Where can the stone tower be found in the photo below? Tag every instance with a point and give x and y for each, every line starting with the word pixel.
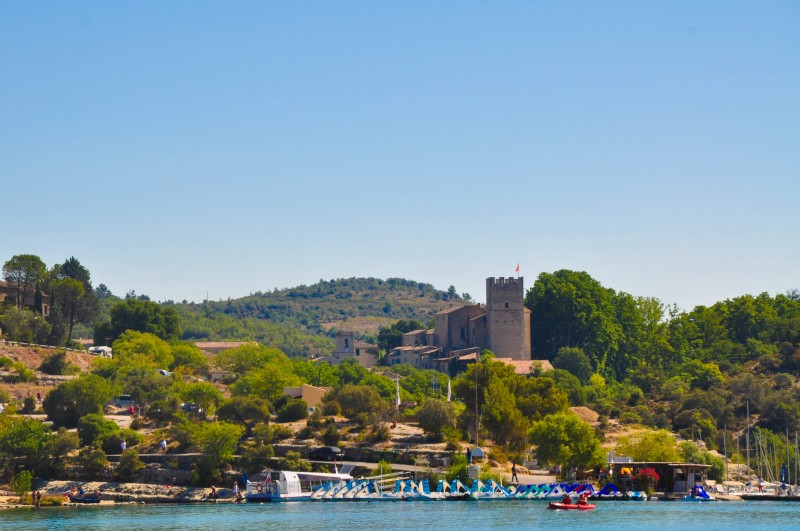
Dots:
pixel 508 325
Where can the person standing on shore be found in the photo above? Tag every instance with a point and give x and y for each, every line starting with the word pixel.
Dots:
pixel 164 445
pixel 514 473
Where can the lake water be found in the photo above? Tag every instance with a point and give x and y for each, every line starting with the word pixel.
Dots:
pixel 410 515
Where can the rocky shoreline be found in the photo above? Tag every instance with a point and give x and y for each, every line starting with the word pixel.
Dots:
pixel 131 493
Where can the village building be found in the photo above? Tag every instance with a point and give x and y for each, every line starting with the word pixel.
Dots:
pixel 348 347
pixel 460 332
pixel 310 394
pixel 29 302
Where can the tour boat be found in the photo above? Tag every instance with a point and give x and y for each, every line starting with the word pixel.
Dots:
pixel 284 485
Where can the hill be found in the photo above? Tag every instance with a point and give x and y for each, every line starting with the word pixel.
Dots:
pixel 362 305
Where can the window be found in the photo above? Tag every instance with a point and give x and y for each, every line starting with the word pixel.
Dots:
pixel 358 352
pixel 463 332
pixel 506 305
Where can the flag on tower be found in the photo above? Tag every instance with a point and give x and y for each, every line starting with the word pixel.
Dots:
pixel 517 267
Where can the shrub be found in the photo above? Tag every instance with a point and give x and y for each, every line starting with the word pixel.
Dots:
pixel 629 417
pixel 92 461
pixel 28 405
pixel 129 464
pixel 21 482
pixel 378 433
pixel 331 436
pixel 293 461
pixel 331 409
pixel 55 364
pixel 294 409
pixel 257 456
pixel 95 427
pixel 436 416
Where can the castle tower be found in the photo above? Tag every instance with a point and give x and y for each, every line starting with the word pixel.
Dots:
pixel 508 325
pixel 345 344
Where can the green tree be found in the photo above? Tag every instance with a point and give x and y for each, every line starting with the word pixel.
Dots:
pixel 217 442
pixel 92 461
pixel 21 437
pixel 129 464
pixel 567 440
pixel 356 399
pixel 21 482
pixel 70 401
pixel 25 274
pixel 67 296
pixel 649 445
pixel 293 461
pixel 141 316
pixel 204 394
pixel 95 427
pixel 435 416
pixel 244 410
pixel 575 361
pixel 391 336
pixel 190 356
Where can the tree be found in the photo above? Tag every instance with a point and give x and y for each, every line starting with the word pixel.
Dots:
pixel 244 410
pixel 217 442
pixel 390 337
pixel 21 482
pixel 74 299
pixel 649 445
pixel 567 440
pixel 95 427
pixel 571 309
pixel 435 416
pixel 204 394
pixel 575 361
pixel 190 356
pixel 356 399
pixel 141 316
pixel 25 273
pixel 92 461
pixel 21 437
pixel 129 464
pixel 70 401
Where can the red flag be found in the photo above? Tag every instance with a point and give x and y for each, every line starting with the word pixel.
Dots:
pixel 517 267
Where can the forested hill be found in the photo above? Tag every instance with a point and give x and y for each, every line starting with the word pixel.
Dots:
pixel 359 304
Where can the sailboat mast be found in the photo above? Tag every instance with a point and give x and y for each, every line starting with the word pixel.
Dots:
pixel 747 440
pixel 725 448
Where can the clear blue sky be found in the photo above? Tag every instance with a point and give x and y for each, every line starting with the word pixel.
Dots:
pixel 178 148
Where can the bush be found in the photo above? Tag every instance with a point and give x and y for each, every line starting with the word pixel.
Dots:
pixel 270 434
pixel 28 405
pixel 436 416
pixel 21 483
pixel 629 417
pixel 55 364
pixel 294 409
pixel 95 427
pixel 331 409
pixel 129 464
pixel 92 461
pixel 112 443
pixel 331 436
pixel 378 433
pixel 257 456
pixel 293 461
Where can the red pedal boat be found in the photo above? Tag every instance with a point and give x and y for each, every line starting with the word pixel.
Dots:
pixel 566 506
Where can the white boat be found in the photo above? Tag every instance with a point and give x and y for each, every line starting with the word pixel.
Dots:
pixel 284 485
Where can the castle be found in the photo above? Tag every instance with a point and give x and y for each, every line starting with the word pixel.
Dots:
pixel 459 333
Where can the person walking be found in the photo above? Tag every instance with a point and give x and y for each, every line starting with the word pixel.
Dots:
pixel 164 445
pixel 123 445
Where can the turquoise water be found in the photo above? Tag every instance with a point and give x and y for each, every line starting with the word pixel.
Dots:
pixel 410 515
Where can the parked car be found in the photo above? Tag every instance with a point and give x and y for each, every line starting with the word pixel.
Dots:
pixel 121 401
pixel 326 453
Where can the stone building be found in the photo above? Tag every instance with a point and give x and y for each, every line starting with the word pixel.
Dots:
pixel 347 346
pixel 503 326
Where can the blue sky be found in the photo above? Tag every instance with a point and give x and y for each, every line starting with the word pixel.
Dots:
pixel 184 148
